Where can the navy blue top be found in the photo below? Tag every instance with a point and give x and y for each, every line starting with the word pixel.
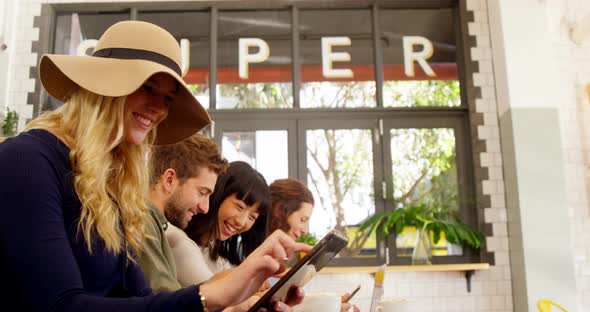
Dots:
pixel 44 265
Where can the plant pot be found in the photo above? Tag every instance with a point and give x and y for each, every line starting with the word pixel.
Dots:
pixel 422 253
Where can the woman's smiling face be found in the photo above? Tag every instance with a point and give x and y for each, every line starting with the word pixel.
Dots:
pixel 298 221
pixel 235 217
pixel 148 106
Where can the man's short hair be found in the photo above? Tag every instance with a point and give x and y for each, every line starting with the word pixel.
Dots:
pixel 187 158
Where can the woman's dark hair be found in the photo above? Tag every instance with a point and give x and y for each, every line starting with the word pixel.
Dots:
pixel 287 196
pixel 250 187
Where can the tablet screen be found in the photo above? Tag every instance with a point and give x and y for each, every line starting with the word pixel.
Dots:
pixel 305 269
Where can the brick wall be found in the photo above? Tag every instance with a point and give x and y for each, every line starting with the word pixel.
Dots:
pixel 22 59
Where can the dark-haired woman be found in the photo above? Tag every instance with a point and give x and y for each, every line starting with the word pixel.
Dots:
pixel 234 226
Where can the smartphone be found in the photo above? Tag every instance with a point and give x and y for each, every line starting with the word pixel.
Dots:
pixel 305 269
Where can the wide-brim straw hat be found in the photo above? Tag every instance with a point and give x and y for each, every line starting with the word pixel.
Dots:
pixel 127 55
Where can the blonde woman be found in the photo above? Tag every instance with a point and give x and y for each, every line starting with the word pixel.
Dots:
pixel 73 184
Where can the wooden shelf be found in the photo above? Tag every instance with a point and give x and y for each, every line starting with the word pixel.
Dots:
pixel 409 268
pixel 468 269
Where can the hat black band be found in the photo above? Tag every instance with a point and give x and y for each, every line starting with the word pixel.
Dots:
pixel 137 54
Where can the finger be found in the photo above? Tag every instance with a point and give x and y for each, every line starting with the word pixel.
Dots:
pixel 271 265
pixel 279 252
pixel 260 268
pixel 277 306
pixel 282 268
pixel 298 247
pixel 280 245
pixel 345 297
pixel 288 242
pixel 291 247
pixel 279 275
pixel 294 296
pixel 265 286
pixel 252 301
pixel 280 307
pixel 284 239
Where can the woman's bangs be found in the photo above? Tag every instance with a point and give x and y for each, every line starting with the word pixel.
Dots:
pixel 256 193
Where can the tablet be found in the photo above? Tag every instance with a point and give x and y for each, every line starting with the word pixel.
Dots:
pixel 305 269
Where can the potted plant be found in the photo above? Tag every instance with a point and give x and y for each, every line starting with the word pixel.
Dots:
pixel 9 123
pixel 426 220
pixel 308 238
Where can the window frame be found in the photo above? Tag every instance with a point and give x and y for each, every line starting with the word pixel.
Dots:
pixel 253 125
pixel 466 191
pixel 345 124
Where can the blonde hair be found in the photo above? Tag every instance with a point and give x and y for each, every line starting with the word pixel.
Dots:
pixel 107 170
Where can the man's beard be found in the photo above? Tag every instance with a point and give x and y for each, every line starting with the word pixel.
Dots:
pixel 174 211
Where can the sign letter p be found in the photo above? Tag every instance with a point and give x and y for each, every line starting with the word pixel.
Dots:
pixel 245 58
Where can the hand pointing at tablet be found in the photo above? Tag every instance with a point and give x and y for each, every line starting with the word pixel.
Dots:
pixel 304 270
pixel 246 279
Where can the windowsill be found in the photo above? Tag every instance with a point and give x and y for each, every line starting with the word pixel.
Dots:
pixel 409 268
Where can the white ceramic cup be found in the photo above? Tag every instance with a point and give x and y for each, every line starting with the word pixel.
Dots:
pixel 395 305
pixel 324 302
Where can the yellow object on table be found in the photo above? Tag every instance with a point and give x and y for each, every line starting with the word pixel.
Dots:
pixel 544 305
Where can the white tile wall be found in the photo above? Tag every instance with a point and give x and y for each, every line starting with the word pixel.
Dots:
pixel 22 58
pixel 574 66
pixel 431 291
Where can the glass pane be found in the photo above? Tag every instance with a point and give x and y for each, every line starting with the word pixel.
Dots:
pixel 76 34
pixel 340 176
pixel 268 82
pixel 191 29
pixel 421 93
pixel 74 29
pixel 320 86
pixel 431 79
pixel 424 171
pixel 267 151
